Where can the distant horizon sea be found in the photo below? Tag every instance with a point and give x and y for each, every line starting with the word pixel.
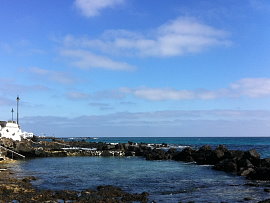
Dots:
pixel 165 181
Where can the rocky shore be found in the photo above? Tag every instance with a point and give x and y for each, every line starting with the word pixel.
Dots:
pixel 242 163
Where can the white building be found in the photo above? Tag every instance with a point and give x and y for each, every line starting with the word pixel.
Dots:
pixel 10 129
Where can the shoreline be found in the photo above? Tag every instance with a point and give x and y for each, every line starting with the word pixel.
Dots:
pixel 244 163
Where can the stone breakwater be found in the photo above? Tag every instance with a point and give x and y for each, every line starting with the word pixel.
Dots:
pixel 243 163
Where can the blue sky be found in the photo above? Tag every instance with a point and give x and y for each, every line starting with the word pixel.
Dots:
pixel 137 68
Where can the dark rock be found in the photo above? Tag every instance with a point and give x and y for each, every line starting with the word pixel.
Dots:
pixel 130 153
pixel 139 152
pixel 226 165
pixel 234 154
pixel 143 197
pixel 157 154
pixel 244 163
pixel 172 151
pixel 248 198
pixel 265 162
pixel 66 195
pixel 108 147
pixel 253 156
pixel 29 179
pixel 246 172
pixel 106 153
pixel 261 173
pixel 205 148
pixel 266 190
pixel 265 201
pixel 185 155
pixel 205 155
pixel 218 154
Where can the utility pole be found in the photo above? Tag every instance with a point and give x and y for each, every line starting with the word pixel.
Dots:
pixel 12 111
pixel 18 99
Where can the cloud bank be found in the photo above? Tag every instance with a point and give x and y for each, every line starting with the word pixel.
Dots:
pixel 156 123
pixel 175 38
pixel 247 87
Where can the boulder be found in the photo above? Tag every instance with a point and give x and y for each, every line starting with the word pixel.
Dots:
pixel 253 156
pixel 266 190
pixel 185 155
pixel 204 156
pixel 106 153
pixel 265 162
pixel 234 154
pixel 130 153
pixel 265 201
pixel 244 163
pixel 227 165
pixel 246 172
pixel 9 143
pixel 260 173
pixel 157 154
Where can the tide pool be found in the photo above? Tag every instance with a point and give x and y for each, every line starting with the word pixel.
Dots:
pixel 165 181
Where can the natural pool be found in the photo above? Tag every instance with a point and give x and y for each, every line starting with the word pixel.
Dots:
pixel 166 181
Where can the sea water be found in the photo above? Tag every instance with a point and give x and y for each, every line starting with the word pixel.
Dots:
pixel 165 181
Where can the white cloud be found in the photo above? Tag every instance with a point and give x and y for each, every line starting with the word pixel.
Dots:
pixel 90 8
pixel 158 94
pixel 57 76
pixel 247 87
pixel 174 38
pixel 251 87
pixel 87 60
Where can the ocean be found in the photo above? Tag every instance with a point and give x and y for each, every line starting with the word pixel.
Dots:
pixel 165 181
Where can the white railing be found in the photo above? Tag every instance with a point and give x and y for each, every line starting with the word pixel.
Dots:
pixel 13 152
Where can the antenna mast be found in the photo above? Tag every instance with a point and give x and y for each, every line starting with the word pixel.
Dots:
pixel 12 111
pixel 18 99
